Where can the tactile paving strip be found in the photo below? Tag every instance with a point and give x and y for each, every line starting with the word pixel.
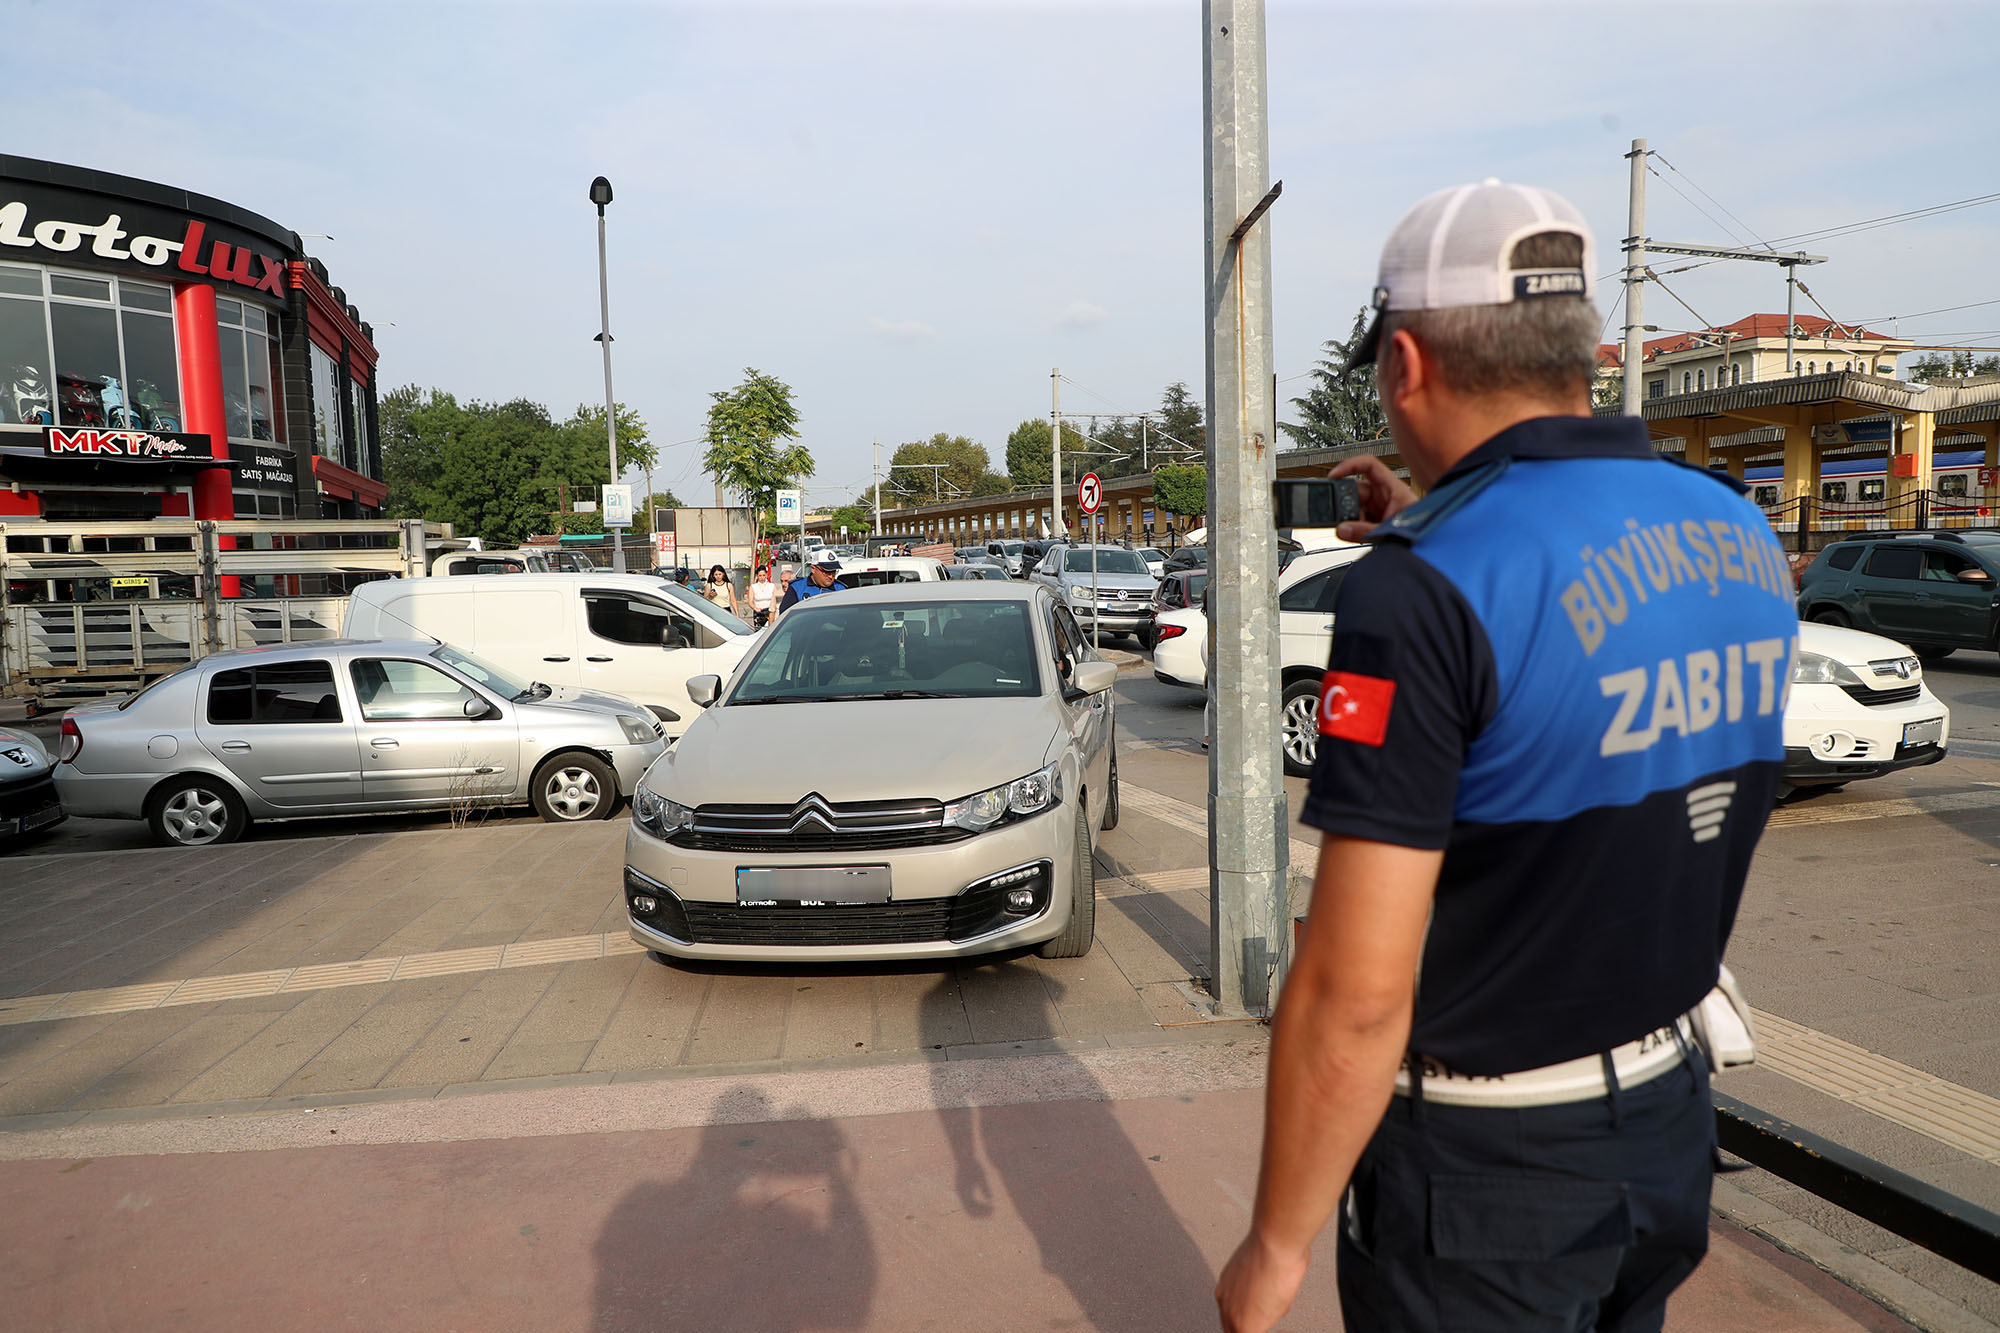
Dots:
pixel 1969 1121
pixel 319 976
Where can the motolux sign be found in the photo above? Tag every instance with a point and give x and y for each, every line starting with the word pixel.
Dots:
pixel 58 226
pixel 90 442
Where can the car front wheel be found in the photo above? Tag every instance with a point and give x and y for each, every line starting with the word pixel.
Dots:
pixel 1301 727
pixel 573 788
pixel 1081 932
pixel 196 812
pixel 1829 617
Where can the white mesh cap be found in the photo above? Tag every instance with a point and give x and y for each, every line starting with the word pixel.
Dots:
pixel 1456 246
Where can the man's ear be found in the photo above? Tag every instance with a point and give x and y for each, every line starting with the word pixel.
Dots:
pixel 1409 370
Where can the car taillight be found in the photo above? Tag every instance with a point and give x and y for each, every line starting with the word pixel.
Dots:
pixel 1169 632
pixel 72 741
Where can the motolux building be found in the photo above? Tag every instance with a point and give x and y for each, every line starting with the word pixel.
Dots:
pixel 164 354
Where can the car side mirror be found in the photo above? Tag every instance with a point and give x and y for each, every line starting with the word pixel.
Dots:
pixel 1974 576
pixel 1093 677
pixel 704 689
pixel 478 709
pixel 673 636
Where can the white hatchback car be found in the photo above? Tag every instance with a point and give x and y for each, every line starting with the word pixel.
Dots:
pixel 1177 648
pixel 1859 708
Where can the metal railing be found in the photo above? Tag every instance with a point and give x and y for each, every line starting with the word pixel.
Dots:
pixel 1946 1225
pixel 1809 522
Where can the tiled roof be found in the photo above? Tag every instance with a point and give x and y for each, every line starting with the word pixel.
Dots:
pixel 1750 326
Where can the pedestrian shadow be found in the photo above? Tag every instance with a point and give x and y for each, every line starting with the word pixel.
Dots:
pixel 1066 1169
pixel 763 1230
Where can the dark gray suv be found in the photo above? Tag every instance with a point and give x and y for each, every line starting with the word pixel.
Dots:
pixel 1936 591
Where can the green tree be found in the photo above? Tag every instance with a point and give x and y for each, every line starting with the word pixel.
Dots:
pixel 1181 489
pixel 1028 455
pixel 992 483
pixel 1180 423
pixel 498 471
pixel 1342 406
pixel 1929 367
pixel 963 464
pixel 855 518
pixel 642 513
pixel 750 428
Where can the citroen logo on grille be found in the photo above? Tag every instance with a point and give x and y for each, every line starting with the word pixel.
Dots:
pixel 810 812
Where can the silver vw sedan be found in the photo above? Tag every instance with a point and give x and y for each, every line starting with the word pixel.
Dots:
pixel 347 726
pixel 904 771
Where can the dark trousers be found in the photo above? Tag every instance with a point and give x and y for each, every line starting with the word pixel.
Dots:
pixel 1577 1217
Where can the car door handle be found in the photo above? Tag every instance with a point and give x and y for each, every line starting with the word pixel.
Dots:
pixel 597 659
pixel 237 747
pixel 555 659
pixel 384 743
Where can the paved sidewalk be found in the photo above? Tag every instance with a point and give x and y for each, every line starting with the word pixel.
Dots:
pixel 1100 1190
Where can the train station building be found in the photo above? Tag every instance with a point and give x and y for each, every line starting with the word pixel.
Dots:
pixel 165 354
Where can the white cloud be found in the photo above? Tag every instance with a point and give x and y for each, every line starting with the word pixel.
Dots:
pixel 901 330
pixel 1081 315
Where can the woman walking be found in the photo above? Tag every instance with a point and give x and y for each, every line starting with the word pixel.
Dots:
pixel 719 589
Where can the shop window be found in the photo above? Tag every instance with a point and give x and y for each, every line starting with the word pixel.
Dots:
pixel 248 346
pixel 113 363
pixel 357 443
pixel 325 405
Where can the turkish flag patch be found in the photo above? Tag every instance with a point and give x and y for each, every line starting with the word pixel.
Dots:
pixel 1354 707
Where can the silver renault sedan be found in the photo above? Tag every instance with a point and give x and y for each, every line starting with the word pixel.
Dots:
pixel 347 726
pixel 905 771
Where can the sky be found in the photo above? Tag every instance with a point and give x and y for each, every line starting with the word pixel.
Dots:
pixel 912 212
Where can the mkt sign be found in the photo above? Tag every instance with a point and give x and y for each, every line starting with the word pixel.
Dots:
pixel 89 442
pixel 55 225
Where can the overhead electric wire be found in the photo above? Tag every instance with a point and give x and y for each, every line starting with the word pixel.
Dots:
pixel 1733 234
pixel 1747 228
pixel 1887 220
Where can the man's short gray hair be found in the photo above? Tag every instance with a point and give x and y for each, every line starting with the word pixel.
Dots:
pixel 1546 346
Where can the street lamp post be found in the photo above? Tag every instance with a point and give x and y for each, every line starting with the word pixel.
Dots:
pixel 600 194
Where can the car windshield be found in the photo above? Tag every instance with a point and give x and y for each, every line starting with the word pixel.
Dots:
pixel 707 608
pixel 1151 553
pixel 869 578
pixel 492 677
pixel 825 651
pixel 1110 560
pixel 1197 584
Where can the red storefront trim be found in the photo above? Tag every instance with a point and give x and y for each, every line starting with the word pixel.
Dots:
pixel 327 322
pixel 347 484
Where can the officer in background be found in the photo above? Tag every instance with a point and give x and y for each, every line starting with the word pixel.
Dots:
pixel 1549 739
pixel 821 577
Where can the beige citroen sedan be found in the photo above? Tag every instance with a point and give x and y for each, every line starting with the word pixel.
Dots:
pixel 904 771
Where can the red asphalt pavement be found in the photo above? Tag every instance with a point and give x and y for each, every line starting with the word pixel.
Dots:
pixel 1042 1214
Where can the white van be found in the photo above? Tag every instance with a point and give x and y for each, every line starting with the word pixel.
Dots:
pixel 629 634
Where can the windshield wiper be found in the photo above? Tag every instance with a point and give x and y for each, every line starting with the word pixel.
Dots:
pixel 901 694
pixel 787 699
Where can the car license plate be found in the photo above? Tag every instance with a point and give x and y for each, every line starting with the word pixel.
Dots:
pixel 811 886
pixel 41 818
pixel 1923 733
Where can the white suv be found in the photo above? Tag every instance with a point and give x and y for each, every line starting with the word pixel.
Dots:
pixel 1307 590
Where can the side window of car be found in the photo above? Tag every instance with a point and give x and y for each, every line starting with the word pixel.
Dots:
pixel 274 692
pixel 1843 557
pixel 1946 566
pixel 1305 595
pixel 637 620
pixel 1895 562
pixel 394 690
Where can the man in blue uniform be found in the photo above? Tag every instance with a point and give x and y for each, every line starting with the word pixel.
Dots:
pixel 821 576
pixel 1549 738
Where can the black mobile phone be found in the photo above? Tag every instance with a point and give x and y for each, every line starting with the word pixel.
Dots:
pixel 1316 502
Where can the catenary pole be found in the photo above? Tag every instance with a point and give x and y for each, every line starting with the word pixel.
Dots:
pixel 1635 282
pixel 876 472
pixel 1248 836
pixel 600 194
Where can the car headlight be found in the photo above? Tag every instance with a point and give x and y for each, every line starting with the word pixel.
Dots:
pixel 1819 669
pixel 638 731
pixel 659 816
pixel 1010 800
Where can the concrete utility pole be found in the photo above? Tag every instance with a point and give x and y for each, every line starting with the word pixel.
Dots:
pixel 1248 837
pixel 1635 283
pixel 1056 528
pixel 876 472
